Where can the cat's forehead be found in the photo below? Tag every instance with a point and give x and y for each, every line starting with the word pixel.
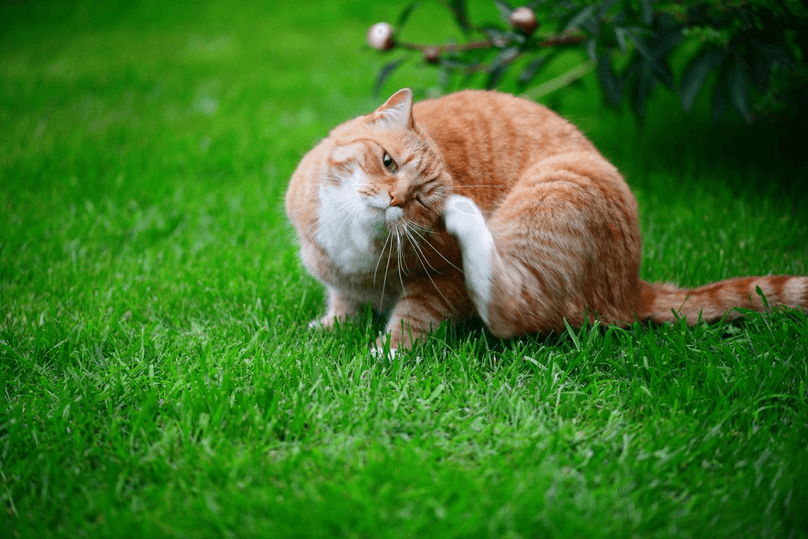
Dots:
pixel 358 139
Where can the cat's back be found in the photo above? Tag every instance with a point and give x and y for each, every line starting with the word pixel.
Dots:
pixel 487 134
pixel 466 108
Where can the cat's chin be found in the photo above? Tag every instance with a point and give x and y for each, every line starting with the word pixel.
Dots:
pixel 392 215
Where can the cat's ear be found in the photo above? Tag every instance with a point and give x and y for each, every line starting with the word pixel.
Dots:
pixel 396 111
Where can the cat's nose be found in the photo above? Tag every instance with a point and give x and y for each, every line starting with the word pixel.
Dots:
pixel 396 198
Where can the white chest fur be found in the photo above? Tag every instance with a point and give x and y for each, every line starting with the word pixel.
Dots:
pixel 348 227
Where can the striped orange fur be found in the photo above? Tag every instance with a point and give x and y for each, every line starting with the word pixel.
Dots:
pixel 481 202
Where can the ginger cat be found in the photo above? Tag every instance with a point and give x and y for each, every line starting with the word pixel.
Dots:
pixel 481 202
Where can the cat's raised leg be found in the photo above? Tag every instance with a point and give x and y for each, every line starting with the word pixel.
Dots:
pixel 465 221
pixel 561 246
pixel 340 307
pixel 509 292
pixel 422 308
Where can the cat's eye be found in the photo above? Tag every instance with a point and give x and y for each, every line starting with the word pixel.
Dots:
pixel 388 162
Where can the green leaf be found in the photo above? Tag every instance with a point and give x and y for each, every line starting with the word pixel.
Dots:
pixel 571 332
pixel 645 84
pixel 719 104
pixel 498 65
pixel 385 72
pixel 505 57
pixel 647 12
pixel 559 82
pixel 739 89
pixel 591 49
pixel 504 8
pixel 605 6
pixel 642 47
pixel 444 76
pixel 612 86
pixel 773 53
pixel 592 25
pixel 452 63
pixel 495 33
pixel 620 34
pixel 651 53
pixel 765 57
pixel 494 74
pixel 531 70
pixel 658 47
pixel 579 18
pixel 664 42
pixel 517 37
pixel 696 74
pixel 459 11
pixel 762 297
pixel 405 14
pixel 760 74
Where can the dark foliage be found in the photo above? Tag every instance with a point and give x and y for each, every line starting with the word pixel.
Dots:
pixel 747 53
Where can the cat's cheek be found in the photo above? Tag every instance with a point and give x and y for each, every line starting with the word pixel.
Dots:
pixel 428 217
pixel 349 228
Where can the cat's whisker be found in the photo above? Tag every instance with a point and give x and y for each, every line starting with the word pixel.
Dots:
pixel 417 249
pixel 381 254
pixel 400 251
pixel 349 217
pixel 386 269
pixel 400 261
pixel 318 224
pixel 416 226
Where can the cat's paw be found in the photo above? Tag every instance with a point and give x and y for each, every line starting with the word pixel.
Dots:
pixel 323 323
pixel 384 347
pixel 379 353
pixel 465 221
pixel 316 324
pixel 461 216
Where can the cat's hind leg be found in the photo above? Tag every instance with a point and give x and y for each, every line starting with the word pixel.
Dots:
pixel 563 244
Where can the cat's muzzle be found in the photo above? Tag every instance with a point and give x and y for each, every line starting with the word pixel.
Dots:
pixel 392 215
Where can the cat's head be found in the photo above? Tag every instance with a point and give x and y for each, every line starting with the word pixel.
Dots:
pixel 380 176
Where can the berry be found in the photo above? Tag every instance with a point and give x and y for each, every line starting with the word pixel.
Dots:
pixel 380 36
pixel 524 19
pixel 432 55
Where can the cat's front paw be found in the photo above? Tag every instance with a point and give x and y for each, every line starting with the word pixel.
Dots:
pixel 316 324
pixel 324 323
pixel 380 353
pixel 384 346
pixel 461 216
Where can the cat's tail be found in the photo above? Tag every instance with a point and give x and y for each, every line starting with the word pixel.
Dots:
pixel 664 303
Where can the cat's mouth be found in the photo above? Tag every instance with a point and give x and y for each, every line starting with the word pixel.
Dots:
pixel 390 220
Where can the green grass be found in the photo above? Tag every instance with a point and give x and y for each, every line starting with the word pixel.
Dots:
pixel 156 375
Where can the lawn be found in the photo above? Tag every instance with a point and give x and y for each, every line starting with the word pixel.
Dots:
pixel 157 378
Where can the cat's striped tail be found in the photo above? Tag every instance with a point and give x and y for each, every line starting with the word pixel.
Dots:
pixel 713 301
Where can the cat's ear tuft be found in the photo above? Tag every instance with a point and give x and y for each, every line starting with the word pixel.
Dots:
pixel 396 111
